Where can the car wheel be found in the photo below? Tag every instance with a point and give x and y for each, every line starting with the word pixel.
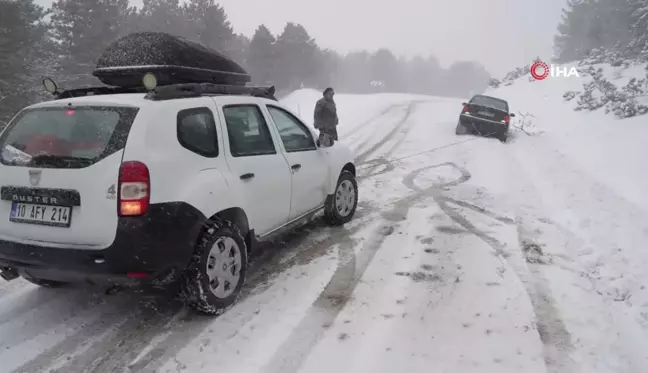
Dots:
pixel 503 136
pixel 42 282
pixel 461 129
pixel 340 207
pixel 213 280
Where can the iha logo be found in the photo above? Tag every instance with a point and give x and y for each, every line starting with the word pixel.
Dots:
pixel 540 71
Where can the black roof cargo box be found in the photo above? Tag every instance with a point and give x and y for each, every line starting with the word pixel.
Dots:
pixel 172 59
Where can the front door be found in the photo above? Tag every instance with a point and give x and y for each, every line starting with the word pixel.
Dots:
pixel 308 165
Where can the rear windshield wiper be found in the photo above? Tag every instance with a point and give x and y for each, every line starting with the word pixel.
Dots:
pixel 57 160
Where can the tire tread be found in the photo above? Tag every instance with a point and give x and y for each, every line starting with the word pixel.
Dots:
pixel 191 288
pixel 330 215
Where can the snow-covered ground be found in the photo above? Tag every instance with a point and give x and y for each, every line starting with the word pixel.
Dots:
pixel 466 255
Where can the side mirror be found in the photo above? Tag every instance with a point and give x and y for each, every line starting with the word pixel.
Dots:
pixel 50 86
pixel 512 115
pixel 464 103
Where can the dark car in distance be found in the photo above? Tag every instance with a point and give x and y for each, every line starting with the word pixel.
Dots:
pixel 485 116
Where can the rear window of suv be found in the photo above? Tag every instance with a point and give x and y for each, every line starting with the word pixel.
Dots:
pixel 64 137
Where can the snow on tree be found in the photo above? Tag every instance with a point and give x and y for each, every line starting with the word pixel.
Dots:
pixel 262 55
pixel 27 55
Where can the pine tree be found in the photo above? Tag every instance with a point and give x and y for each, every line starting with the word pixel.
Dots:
pixel 211 25
pixel 436 76
pixel 84 28
pixel 262 56
pixel 639 28
pixel 385 68
pixel 593 24
pixel 24 59
pixel 354 74
pixel 238 49
pixel 297 53
pixel 419 76
pixel 571 42
pixel 612 20
pixel 327 66
pixel 464 77
pixel 164 16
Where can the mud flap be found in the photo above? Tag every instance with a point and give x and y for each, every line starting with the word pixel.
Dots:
pixel 9 273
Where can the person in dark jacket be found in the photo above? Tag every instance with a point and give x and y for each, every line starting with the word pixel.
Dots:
pixel 326 119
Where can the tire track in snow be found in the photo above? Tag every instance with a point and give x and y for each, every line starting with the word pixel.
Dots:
pixel 362 157
pixel 403 127
pixel 555 337
pixel 351 267
pixel 300 241
pixel 551 329
pixel 125 337
pixel 384 112
pixel 125 342
pixel 27 299
pixel 122 335
pixel 106 322
pixel 48 317
pixel 606 258
pixel 357 143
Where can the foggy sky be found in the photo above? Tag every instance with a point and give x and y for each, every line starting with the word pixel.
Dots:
pixel 500 34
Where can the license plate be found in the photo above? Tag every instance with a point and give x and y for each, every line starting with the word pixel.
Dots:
pixel 29 213
pixel 486 114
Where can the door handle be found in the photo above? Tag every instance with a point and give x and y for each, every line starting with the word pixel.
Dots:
pixel 296 167
pixel 247 176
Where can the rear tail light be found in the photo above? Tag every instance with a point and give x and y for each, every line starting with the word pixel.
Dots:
pixel 507 119
pixel 134 190
pixel 466 109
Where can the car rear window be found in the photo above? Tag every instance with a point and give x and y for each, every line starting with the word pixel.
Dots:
pixel 64 137
pixel 490 102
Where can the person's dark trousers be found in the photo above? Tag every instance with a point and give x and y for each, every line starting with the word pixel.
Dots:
pixel 328 136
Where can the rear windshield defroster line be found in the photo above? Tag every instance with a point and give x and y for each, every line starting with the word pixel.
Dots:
pixel 66 137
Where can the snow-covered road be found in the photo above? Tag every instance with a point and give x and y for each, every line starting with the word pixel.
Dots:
pixel 466 255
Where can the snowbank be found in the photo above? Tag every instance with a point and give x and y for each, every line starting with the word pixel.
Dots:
pixel 612 150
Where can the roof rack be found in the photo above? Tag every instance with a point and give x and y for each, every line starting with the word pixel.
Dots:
pixel 174 91
pixel 186 90
pixel 93 91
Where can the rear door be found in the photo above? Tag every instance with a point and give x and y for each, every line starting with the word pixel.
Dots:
pixel 259 169
pixel 308 165
pixel 58 175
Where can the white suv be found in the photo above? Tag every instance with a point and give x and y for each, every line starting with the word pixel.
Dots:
pixel 159 187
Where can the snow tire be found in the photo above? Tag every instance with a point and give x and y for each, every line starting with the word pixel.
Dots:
pixel 332 213
pixel 196 285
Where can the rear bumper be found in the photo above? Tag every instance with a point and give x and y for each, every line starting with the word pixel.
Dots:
pixel 482 126
pixel 159 245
